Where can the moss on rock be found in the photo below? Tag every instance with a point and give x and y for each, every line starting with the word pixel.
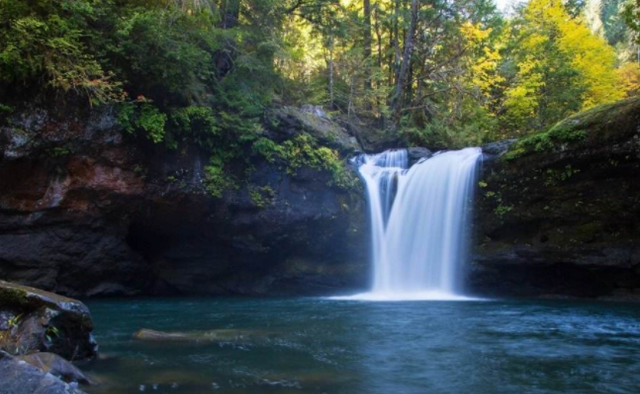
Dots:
pixel 599 124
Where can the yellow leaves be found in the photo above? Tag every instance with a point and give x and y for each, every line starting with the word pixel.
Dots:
pixel 594 59
pixel 534 41
pixel 528 65
pixel 484 64
pixel 548 23
pixel 629 74
pixel 542 11
pixel 474 33
pixel 483 71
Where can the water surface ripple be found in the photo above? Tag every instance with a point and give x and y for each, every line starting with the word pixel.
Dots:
pixel 349 347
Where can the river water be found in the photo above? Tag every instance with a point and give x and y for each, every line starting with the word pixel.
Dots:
pixel 314 345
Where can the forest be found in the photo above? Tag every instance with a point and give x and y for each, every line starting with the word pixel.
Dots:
pixel 319 196
pixel 437 72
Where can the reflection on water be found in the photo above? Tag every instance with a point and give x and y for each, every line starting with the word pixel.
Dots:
pixel 351 347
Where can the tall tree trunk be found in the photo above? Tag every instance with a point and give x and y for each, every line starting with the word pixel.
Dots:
pixel 367 44
pixel 379 46
pixel 230 10
pixel 378 37
pixel 401 77
pixel 331 76
pixel 230 15
pixel 396 40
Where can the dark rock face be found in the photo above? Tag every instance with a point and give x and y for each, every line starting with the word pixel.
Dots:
pixel 86 210
pixel 563 221
pixel 19 377
pixel 37 320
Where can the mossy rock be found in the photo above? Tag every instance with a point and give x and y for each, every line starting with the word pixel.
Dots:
pixel 28 299
pixel 289 122
pixel 604 124
pixel 45 321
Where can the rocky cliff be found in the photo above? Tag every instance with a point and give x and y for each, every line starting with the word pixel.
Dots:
pixel 86 210
pixel 558 213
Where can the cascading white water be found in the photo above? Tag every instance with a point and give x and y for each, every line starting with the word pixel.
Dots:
pixel 419 223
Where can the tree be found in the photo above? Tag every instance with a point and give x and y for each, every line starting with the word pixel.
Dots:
pixel 562 67
pixel 403 71
pixel 632 17
pixel 367 42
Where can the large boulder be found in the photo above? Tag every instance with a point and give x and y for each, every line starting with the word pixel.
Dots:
pixel 37 320
pixel 288 122
pixel 20 377
pixel 557 213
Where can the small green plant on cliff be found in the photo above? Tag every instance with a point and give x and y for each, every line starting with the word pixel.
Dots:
pixel 302 151
pixel 13 322
pixel 144 117
pixel 262 196
pixel 51 332
pixel 197 123
pixel 7 340
pixel 268 149
pixel 217 181
pixel 554 177
pixel 502 210
pixel 5 109
pixel 60 152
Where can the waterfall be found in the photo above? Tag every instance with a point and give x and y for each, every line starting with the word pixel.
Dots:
pixel 419 222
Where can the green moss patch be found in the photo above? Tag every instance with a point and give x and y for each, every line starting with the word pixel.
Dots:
pixel 599 123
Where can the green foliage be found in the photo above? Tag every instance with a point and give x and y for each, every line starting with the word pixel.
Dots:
pixel 60 152
pixel 197 123
pixel 261 196
pixel 144 117
pixel 217 180
pixel 204 71
pixel 566 132
pixel 268 149
pixel 502 210
pixel 302 151
pixel 5 109
pixel 45 41
pixel 449 131
pixel 14 321
pixel 51 332
pixel 631 15
pixel 554 177
pixel 190 77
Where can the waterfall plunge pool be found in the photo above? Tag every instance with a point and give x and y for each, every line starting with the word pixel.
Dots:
pixel 347 345
pixel 312 345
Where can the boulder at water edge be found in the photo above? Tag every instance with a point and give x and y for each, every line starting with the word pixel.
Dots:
pixel 33 320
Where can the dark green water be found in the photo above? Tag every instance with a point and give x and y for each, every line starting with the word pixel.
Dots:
pixel 350 347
